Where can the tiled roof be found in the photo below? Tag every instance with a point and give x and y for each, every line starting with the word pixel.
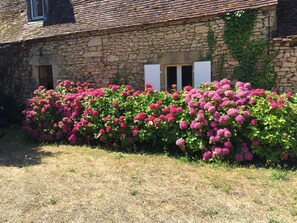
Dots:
pixel 86 15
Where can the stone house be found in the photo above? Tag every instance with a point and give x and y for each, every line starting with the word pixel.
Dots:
pixel 144 41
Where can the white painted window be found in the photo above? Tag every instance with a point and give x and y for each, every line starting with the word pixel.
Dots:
pixel 181 75
pixel 152 75
pixel 37 9
pixel 202 72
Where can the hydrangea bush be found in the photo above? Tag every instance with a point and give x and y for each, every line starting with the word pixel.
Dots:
pixel 216 121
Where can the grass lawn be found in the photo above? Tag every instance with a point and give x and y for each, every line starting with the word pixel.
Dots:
pixel 80 184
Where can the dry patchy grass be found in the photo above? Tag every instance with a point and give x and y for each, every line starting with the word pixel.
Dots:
pixel 80 184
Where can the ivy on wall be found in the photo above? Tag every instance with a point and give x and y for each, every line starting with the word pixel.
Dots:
pixel 212 43
pixel 255 65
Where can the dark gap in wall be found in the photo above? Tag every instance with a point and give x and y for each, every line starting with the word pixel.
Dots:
pixel 286 18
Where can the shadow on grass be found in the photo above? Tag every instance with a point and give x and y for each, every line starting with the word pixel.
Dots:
pixel 194 158
pixel 17 151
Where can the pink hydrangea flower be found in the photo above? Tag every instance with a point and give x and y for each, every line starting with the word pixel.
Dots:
pixel 207 105
pixel 94 113
pixel 289 94
pixel 255 142
pixel 238 157
pixel 247 86
pixel 135 132
pixel 227 133
pixel 229 93
pixel 123 125
pixel 175 95
pixel 187 88
pixel 180 142
pixel 226 151
pixel 192 111
pixel 195 125
pixel 219 151
pixel 233 112
pixel 273 104
pixel 224 119
pixel 165 110
pixel 207 155
pixel 108 128
pixel 225 81
pixel 228 144
pixel 239 119
pixel 213 124
pixel 239 84
pixel 212 109
pixel 183 125
pixel 248 156
pixel 254 122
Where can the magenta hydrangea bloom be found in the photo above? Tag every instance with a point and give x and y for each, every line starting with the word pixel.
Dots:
pixel 192 111
pixel 244 149
pixel 183 125
pixel 228 144
pixel 219 151
pixel 216 97
pixel 289 94
pixel 248 156
pixel 254 122
pixel 229 93
pixel 233 112
pixel 135 132
pixel 239 119
pixel 195 125
pixel 224 119
pixel 192 104
pixel 180 142
pixel 238 157
pixel 207 105
pixel 108 128
pixel 247 86
pixel 211 109
pixel 175 95
pixel 187 88
pixel 227 133
pixel 255 142
pixel 213 124
pixel 226 151
pixel 273 105
pixel 239 84
pixel 207 155
pixel 225 81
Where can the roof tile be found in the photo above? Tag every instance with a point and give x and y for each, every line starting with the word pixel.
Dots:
pixel 73 16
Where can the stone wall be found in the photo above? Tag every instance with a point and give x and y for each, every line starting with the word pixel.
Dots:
pixel 98 56
pixel 286 64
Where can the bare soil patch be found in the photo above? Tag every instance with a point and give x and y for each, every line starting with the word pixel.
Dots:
pixel 80 184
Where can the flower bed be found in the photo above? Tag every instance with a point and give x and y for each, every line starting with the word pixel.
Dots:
pixel 217 121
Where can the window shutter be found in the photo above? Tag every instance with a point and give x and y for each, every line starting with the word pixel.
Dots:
pixel 202 72
pixel 152 75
